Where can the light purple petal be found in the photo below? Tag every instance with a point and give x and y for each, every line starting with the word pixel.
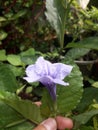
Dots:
pixel 32 76
pixel 62 70
pixel 52 90
pixel 48 80
pixel 42 66
pixel 50 85
pixel 58 81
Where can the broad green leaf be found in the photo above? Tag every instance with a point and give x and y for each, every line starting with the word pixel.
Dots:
pixel 85 117
pixel 22 126
pixel 14 60
pixel 90 43
pixel 27 60
pixel 76 53
pixel 95 84
pixel 2 55
pixel 28 57
pixel 56 15
pixel 25 107
pixel 3 35
pixel 86 128
pixel 89 95
pixel 7 79
pixel 69 96
pixel 17 71
pixel 28 52
pixel 8 116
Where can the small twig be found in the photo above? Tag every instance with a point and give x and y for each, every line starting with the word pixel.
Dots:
pixel 86 62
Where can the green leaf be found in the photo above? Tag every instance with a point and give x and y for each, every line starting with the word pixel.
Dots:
pixel 95 106
pixel 19 14
pixel 86 128
pixel 69 96
pixel 28 60
pixel 14 60
pixel 7 79
pixel 26 108
pixel 17 71
pixel 85 117
pixel 90 43
pixel 21 126
pixel 95 84
pixel 28 57
pixel 28 52
pixel 56 15
pixel 89 95
pixel 48 105
pixel 76 53
pixel 2 55
pixel 2 19
pixel 8 116
pixel 3 35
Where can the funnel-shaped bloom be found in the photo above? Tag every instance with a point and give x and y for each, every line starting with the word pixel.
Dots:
pixel 48 74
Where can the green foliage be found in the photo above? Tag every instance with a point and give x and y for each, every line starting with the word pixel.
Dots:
pixel 87 100
pixel 21 126
pixel 8 81
pixel 3 35
pixel 90 43
pixel 14 60
pixel 26 108
pixel 78 52
pixel 9 117
pixel 84 118
pixel 68 97
pixel 24 36
pixel 2 55
pixel 57 14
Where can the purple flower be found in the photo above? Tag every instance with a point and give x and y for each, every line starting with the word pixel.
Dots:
pixel 48 74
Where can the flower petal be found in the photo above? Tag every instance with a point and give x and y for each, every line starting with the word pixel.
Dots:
pixel 58 81
pixel 50 85
pixel 32 76
pixel 62 70
pixel 52 90
pixel 42 66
